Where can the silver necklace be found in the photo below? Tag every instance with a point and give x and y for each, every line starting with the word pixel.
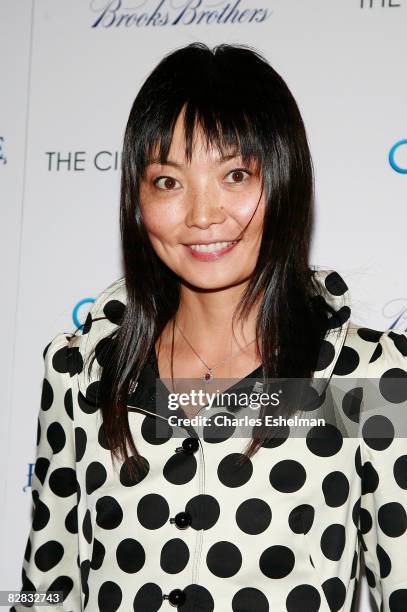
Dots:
pixel 209 374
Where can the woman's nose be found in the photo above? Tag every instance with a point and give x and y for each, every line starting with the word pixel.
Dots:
pixel 204 209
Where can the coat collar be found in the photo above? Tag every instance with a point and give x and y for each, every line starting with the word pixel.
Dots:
pixel 105 316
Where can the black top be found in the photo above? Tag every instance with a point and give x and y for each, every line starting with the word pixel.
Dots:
pixel 145 392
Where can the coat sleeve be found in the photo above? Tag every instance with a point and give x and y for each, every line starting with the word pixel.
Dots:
pixel 383 511
pixel 51 558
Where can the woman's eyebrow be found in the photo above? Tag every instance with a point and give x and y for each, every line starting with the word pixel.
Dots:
pixel 221 160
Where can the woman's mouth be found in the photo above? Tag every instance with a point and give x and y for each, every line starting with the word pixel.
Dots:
pixel 212 251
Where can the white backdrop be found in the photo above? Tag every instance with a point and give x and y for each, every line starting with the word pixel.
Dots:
pixel 70 70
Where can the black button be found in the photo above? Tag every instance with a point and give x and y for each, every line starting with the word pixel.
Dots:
pixel 182 520
pixel 189 446
pixel 176 597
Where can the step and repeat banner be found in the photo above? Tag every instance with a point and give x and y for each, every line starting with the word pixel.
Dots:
pixel 70 70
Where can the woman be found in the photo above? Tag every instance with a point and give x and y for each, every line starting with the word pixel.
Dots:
pixel 136 512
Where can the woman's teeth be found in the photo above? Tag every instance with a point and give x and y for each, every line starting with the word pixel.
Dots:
pixel 208 248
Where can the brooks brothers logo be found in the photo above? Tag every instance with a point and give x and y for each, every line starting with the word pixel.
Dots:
pixel 397 311
pixel 395 165
pixel 144 13
pixel 3 158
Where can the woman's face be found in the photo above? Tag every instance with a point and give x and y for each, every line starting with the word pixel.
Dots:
pixel 210 200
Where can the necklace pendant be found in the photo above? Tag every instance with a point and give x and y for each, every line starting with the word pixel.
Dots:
pixel 208 376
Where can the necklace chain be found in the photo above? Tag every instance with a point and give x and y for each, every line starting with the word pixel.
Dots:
pixel 209 375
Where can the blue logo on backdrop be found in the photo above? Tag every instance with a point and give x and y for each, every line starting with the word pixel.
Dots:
pixel 113 13
pixel 3 158
pixel 76 309
pixel 392 152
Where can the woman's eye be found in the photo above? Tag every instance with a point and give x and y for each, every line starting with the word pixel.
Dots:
pixel 167 183
pixel 238 175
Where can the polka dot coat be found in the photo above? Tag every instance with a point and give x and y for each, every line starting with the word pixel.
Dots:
pixel 284 532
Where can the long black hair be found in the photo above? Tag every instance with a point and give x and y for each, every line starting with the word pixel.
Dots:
pixel 239 101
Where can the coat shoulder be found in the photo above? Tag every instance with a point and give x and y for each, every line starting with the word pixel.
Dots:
pixel 379 352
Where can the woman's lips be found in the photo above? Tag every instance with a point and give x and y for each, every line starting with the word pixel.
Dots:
pixel 210 256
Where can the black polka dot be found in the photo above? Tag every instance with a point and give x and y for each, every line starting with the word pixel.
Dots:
pixel 87 402
pixel 56 437
pixel 370 577
pixel 47 395
pixel 250 599
pixel 48 555
pixel 224 559
pixel 370 335
pixel 232 473
pixel 204 511
pixel 174 556
pixel 87 526
pixel 41 516
pixel 217 428
pixel 68 403
pixel 180 468
pixel 352 402
pixel 287 476
pixel 400 342
pixel 109 597
pixel 324 440
pixel 87 326
pixel 130 556
pixel 333 541
pixel 27 551
pixel 301 518
pixel 376 353
pixel 354 565
pixel 102 438
pixel 149 598
pixel 393 385
pixel 335 284
pixel 98 554
pixel 197 598
pixel 80 442
pixel 356 512
pixel 71 520
pixel 326 355
pixel 141 468
pixel 384 561
pixel 61 583
pixel 75 364
pixel 378 432
pixel 60 360
pixel 149 431
pixel 335 592
pixel 392 519
pixel 109 513
pixel 114 310
pixel 400 471
pixel 277 561
pixel 398 600
pixel 41 468
pixel 153 511
pixel 370 478
pixel 335 488
pixel 303 597
pixel 253 516
pixel 95 476
pixel 62 482
pixel 347 362
pixel 358 462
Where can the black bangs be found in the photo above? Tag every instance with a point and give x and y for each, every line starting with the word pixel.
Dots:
pixel 221 98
